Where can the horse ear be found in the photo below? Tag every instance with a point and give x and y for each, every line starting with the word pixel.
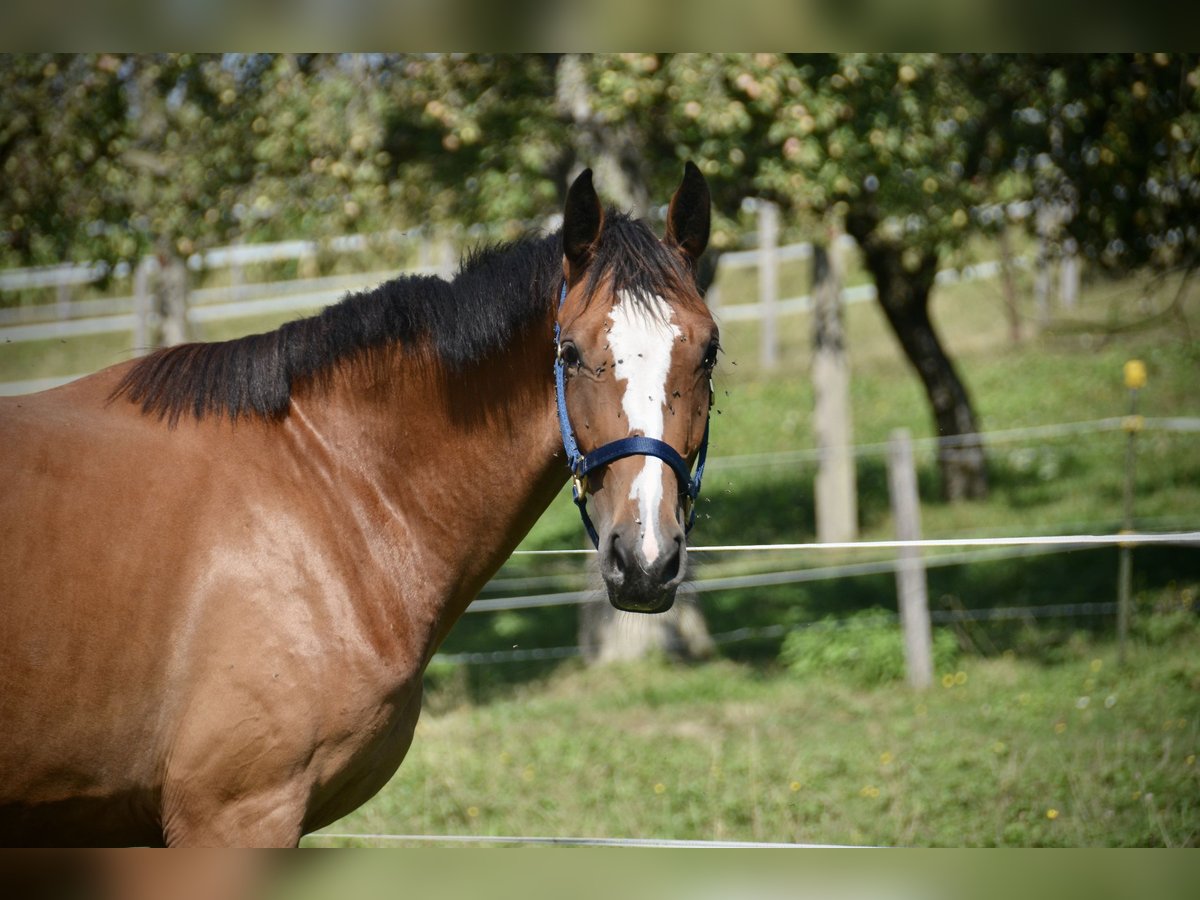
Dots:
pixel 583 218
pixel 689 216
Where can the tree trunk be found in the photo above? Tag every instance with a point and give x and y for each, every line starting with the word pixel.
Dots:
pixel 171 301
pixel 161 304
pixel 1008 282
pixel 611 152
pixel 904 296
pixel 607 634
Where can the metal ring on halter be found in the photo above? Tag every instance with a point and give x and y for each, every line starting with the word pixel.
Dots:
pixel 579 484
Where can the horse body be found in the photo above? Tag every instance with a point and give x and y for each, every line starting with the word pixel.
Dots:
pixel 265 544
pixel 215 633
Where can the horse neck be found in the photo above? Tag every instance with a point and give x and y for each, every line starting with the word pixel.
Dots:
pixel 458 466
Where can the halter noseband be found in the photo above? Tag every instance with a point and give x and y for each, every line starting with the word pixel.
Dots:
pixel 634 445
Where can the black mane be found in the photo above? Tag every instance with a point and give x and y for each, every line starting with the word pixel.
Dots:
pixel 497 292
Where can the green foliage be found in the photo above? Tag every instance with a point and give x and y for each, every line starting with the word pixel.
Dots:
pixel 864 649
pixel 106 156
pixel 1114 137
pixel 899 136
pixel 472 137
pixel 1160 628
pixel 110 156
pixel 61 134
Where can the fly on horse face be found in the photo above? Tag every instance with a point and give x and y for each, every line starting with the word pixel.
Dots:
pixel 225 566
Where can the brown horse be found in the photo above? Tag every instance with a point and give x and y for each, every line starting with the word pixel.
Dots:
pixel 225 566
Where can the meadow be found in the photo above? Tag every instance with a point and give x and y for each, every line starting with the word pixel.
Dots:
pixel 1003 751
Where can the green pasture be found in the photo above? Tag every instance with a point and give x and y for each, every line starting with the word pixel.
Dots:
pixel 1003 751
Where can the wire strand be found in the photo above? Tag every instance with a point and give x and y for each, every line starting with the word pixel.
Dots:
pixel 1059 540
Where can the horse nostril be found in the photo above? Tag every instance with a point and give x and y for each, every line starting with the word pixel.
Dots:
pixel 668 563
pixel 620 553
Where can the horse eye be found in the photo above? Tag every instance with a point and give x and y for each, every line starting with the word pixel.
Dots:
pixel 710 355
pixel 570 356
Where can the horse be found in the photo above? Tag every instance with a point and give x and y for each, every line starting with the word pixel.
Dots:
pixel 226 565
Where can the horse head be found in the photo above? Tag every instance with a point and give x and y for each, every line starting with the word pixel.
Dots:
pixel 636 350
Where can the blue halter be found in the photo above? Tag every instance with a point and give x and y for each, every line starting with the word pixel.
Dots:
pixel 635 445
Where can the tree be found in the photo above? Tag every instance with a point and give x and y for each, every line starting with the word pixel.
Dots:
pixel 488 146
pixel 913 147
pixel 62 129
pixel 474 138
pixel 901 148
pixel 107 156
pixel 1114 139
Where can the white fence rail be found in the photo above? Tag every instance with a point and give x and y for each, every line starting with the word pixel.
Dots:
pixel 993 549
pixel 985 547
pixel 232 256
pixel 77 318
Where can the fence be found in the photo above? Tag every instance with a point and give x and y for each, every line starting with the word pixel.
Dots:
pixel 72 318
pixel 767 258
pixel 909 569
pixel 68 318
pixel 988 549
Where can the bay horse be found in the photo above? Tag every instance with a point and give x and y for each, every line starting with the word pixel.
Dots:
pixel 224 567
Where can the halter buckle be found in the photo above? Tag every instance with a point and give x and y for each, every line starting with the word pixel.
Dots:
pixel 579 484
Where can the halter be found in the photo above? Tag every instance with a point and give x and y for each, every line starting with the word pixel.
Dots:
pixel 634 445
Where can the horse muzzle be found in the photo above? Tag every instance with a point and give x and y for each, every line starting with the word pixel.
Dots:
pixel 638 584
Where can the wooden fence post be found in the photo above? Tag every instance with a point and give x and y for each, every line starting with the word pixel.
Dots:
pixel 173 302
pixel 910 570
pixel 446 256
pixel 142 305
pixel 835 495
pixel 62 301
pixel 768 281
pixel 1041 284
pixel 1009 282
pixel 1068 275
pixel 1135 380
pixel 237 274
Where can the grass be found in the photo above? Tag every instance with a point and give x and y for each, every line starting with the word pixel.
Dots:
pixel 1002 752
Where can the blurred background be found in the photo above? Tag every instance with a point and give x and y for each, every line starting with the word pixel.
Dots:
pixel 957 299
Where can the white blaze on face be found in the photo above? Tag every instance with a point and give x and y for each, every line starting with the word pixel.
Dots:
pixel 641 338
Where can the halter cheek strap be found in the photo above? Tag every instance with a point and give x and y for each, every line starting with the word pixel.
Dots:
pixel 634 445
